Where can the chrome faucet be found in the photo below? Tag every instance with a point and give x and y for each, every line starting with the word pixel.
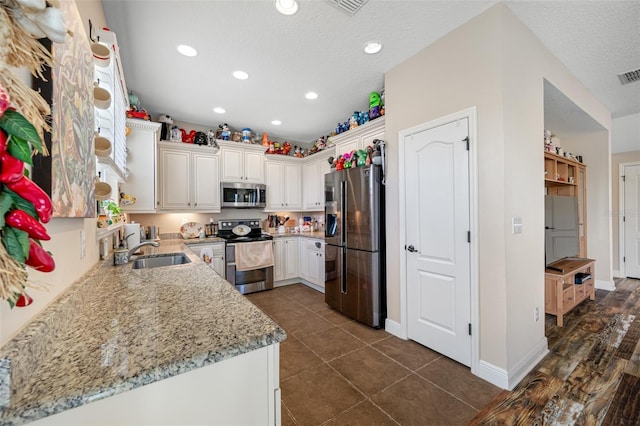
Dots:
pixel 146 243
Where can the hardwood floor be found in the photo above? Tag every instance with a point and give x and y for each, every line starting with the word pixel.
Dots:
pixel 591 375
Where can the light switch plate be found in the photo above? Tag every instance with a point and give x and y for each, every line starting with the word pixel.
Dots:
pixel 516 223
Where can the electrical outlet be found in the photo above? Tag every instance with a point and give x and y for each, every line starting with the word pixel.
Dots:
pixel 536 314
pixel 83 245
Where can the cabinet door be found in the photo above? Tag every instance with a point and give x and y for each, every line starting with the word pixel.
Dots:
pixel 303 260
pixel 314 258
pixel 175 179
pixel 369 136
pixel 141 162
pixel 206 184
pixel 310 176
pixel 292 186
pixel 218 262
pixel 348 145
pixel 279 259
pixel 232 164
pixel 274 178
pixel 291 256
pixel 254 166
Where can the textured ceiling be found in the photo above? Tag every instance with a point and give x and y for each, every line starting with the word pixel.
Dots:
pixel 320 49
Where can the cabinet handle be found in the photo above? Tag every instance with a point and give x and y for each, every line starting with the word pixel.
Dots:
pixel 189 204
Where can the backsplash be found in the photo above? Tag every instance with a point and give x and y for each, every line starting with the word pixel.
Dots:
pixel 171 222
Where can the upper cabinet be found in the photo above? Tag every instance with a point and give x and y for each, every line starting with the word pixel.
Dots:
pixel 360 137
pixel 189 179
pixel 242 163
pixel 283 178
pixel 314 170
pixel 141 162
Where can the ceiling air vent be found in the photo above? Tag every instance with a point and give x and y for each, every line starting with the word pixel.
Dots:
pixel 630 76
pixel 350 7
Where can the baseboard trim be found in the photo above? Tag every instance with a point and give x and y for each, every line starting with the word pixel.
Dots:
pixel 509 379
pixel 528 362
pixel 394 328
pixel 605 285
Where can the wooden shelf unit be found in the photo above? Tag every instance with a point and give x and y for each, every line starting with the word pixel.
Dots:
pixel 561 292
pixel 566 177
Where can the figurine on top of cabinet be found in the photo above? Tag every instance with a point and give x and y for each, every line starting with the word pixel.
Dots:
pixel 271 149
pixel 298 152
pixel 363 117
pixel 353 121
pixel 362 157
pixel 166 121
pixel 225 133
pixel 375 104
pixel 332 162
pixel 346 157
pixel 339 163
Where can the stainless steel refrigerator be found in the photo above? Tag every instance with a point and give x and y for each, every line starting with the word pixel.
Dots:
pixel 354 249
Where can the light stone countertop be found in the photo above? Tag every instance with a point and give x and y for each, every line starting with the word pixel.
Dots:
pixel 117 328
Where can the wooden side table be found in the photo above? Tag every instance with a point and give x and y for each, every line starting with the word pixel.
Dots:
pixel 561 291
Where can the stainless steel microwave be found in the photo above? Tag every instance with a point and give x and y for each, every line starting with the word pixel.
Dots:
pixel 243 195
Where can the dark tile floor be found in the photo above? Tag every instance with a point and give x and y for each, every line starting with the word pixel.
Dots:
pixel 335 371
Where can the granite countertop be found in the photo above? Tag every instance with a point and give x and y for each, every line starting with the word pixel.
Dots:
pixel 117 328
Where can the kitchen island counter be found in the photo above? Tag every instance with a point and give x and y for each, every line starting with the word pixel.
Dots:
pixel 117 329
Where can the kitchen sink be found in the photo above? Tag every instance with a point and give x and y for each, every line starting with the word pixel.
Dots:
pixel 158 260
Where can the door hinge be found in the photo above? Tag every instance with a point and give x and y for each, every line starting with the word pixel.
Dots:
pixel 468 236
pixel 624 218
pixel 467 141
pixel 469 329
pixel 623 178
pixel 624 259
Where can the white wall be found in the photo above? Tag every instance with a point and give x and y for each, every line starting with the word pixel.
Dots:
pixel 65 238
pixel 495 63
pixel 625 133
pixel 616 216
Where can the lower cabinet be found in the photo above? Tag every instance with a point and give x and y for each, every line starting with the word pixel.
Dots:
pixel 312 261
pixel 285 253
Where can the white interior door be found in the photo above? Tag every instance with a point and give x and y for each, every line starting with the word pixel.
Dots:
pixel 632 221
pixel 438 249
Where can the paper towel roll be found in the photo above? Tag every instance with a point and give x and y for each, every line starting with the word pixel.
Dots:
pixel 133 240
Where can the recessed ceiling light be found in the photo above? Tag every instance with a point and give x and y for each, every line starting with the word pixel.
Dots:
pixel 311 95
pixel 219 110
pixel 240 75
pixel 276 122
pixel 187 50
pixel 287 7
pixel 372 47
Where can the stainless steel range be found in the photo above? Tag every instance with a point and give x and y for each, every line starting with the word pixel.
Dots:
pixel 240 231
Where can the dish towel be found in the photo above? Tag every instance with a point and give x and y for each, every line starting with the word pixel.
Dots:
pixel 254 255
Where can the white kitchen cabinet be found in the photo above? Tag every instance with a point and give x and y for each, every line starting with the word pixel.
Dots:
pixel 242 163
pixel 360 137
pixel 284 181
pixel 285 253
pixel 141 162
pixel 313 180
pixel 311 262
pixel 189 178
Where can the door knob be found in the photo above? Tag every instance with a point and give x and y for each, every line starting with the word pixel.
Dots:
pixel 412 249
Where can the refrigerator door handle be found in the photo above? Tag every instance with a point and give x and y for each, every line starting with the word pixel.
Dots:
pixel 343 211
